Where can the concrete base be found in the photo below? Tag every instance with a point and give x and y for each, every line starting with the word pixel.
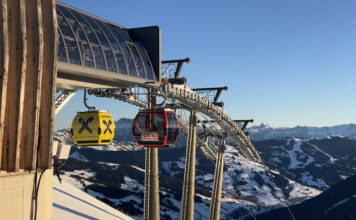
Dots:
pixel 16 195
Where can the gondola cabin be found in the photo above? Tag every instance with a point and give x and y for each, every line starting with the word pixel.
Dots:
pixel 93 128
pixel 158 128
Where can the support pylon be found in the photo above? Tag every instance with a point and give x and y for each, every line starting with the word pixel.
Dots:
pixel 187 203
pixel 151 197
pixel 146 208
pixel 214 213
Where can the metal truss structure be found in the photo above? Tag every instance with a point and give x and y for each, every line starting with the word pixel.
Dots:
pixel 185 98
pixel 62 99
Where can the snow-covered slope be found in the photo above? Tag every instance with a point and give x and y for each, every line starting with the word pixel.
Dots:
pixel 71 203
pixel 318 163
pixel 264 132
pixel 298 168
pixel 116 177
pixel 338 202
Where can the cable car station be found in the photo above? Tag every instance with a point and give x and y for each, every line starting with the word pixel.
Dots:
pixel 48 51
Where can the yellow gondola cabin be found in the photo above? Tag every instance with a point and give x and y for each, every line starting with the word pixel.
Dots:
pixel 93 128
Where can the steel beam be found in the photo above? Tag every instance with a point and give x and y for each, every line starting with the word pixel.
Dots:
pixel 188 191
pixel 63 99
pixel 244 125
pixel 179 65
pixel 214 213
pixel 189 100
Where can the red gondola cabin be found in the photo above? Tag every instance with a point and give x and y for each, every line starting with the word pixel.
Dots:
pixel 157 128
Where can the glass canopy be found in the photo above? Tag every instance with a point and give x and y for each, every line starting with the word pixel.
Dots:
pixel 91 42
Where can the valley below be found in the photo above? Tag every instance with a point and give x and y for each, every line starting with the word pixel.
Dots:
pixel 296 168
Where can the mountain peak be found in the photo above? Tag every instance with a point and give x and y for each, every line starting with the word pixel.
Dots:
pixel 265 125
pixel 124 123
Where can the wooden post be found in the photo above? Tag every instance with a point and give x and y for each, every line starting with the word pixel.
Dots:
pixel 49 68
pixel 4 64
pixel 33 83
pixel 28 58
pixel 15 85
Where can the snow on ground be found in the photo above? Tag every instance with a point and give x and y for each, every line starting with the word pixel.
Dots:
pixel 138 168
pixel 112 165
pixel 167 166
pixel 296 154
pixel 74 181
pixel 131 184
pixel 343 177
pixel 206 180
pixel 300 191
pixel 181 162
pixel 309 180
pixel 247 170
pixel 266 195
pixel 242 179
pixel 227 205
pixel 78 156
pixel 71 203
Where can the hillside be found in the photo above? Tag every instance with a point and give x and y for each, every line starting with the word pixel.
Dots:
pixel 338 202
pixel 300 168
pixel 317 163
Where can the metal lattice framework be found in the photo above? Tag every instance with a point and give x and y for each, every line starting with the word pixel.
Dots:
pixel 62 99
pixel 186 98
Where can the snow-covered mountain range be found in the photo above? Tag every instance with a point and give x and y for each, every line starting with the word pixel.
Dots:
pixel 297 169
pixel 318 163
pixel 265 132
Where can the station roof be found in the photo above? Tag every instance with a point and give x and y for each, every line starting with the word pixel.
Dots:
pixel 99 54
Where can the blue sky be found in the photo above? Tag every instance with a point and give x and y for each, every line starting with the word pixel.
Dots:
pixel 286 63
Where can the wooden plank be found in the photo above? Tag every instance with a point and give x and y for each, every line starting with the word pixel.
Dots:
pixel 29 139
pixel 15 84
pixel 50 48
pixel 4 62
